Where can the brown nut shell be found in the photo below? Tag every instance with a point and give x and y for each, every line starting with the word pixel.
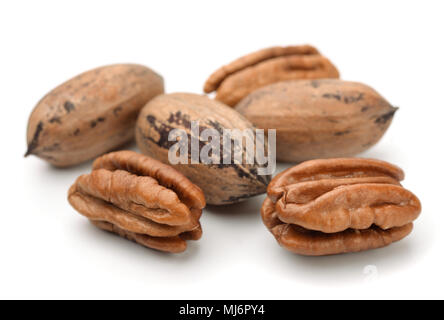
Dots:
pixel 136 197
pixel 324 118
pixel 221 183
pixel 248 73
pixel 90 114
pixel 331 206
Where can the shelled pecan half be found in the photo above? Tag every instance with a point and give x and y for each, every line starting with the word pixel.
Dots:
pixel 141 199
pixel 332 206
pixel 252 71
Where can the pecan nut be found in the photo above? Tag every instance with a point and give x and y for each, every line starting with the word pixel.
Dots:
pixel 221 183
pixel 141 199
pixel 332 206
pixel 90 114
pixel 248 73
pixel 318 119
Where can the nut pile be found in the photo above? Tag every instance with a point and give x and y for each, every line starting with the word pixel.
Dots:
pixel 141 199
pixel 324 207
pixel 328 204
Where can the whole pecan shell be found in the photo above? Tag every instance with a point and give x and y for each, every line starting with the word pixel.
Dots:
pixel 141 199
pixel 90 114
pixel 332 206
pixel 248 73
pixel 318 119
pixel 221 183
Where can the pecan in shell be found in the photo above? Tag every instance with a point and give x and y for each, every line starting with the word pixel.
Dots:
pixel 141 199
pixel 90 114
pixel 318 119
pixel 221 183
pixel 332 206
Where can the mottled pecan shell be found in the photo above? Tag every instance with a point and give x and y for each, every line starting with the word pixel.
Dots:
pixel 221 183
pixel 248 73
pixel 141 199
pixel 339 205
pixel 90 114
pixel 318 119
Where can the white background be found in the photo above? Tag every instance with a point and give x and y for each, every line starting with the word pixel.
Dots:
pixel 50 251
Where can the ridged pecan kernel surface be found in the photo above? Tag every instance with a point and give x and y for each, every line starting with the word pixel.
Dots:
pixel 244 75
pixel 334 206
pixel 141 199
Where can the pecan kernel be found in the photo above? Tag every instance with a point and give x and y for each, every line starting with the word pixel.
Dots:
pixel 250 72
pixel 141 199
pixel 339 205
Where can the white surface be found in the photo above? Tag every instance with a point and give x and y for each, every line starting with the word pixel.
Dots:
pixel 50 251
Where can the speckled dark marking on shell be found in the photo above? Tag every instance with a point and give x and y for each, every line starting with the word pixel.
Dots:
pixel 332 118
pixel 91 114
pixel 221 183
